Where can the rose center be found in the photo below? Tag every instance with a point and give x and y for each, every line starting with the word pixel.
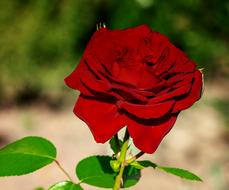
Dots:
pixel 135 72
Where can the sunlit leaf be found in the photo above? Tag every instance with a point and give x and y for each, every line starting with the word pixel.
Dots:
pixel 26 155
pixel 181 173
pixel 66 185
pixel 175 171
pixel 96 171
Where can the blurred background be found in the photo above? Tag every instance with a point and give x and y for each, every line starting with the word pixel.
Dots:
pixel 42 41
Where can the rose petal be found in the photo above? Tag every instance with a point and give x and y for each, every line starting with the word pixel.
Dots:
pixel 127 93
pixel 105 45
pixel 193 96
pixel 189 66
pixel 181 58
pixel 180 79
pixel 96 87
pixel 73 80
pixel 176 92
pixel 102 118
pixel 166 60
pixel 147 111
pixel 147 138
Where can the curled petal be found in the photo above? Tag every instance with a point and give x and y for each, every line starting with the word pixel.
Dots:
pixel 147 111
pixel 102 118
pixel 167 96
pixel 166 60
pixel 128 93
pixel 189 66
pixel 180 80
pixel 146 136
pixel 74 79
pixel 192 96
pixel 96 87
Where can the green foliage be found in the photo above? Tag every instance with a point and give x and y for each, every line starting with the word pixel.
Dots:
pixel 39 188
pixel 131 176
pixel 26 155
pixel 115 165
pixel 175 171
pixel 96 171
pixel 113 145
pixel 143 164
pixel 66 185
pixel 181 173
pixel 41 41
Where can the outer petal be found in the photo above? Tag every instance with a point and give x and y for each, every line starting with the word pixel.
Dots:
pixel 147 135
pixel 167 96
pixel 193 95
pixel 147 111
pixel 166 59
pixel 102 118
pixel 86 77
pixel 73 80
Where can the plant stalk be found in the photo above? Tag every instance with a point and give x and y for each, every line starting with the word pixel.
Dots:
pixel 138 155
pixel 122 160
pixel 63 170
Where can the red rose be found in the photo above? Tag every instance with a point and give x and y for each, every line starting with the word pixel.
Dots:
pixel 135 78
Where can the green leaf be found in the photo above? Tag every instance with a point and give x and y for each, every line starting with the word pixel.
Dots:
pixel 131 176
pixel 96 171
pixel 175 171
pixel 181 173
pixel 115 165
pixel 143 164
pixel 66 185
pixel 26 155
pixel 39 188
pixel 113 145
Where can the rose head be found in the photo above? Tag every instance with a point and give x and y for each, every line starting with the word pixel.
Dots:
pixel 135 78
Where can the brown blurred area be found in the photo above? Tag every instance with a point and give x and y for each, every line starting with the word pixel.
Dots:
pixel 40 44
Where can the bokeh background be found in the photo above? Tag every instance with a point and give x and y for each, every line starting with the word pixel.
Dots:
pixel 42 41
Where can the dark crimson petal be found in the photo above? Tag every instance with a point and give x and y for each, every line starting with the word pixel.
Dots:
pixel 91 83
pixel 166 60
pixel 189 66
pixel 157 42
pixel 144 93
pixel 102 118
pixel 127 93
pixel 107 43
pixel 87 75
pixel 74 79
pixel 148 137
pixel 176 92
pixel 130 37
pixel 179 79
pixel 116 80
pixel 157 88
pixel 193 95
pixel 186 80
pixel 181 59
pixel 147 111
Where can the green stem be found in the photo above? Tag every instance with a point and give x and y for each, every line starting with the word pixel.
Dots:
pixel 63 170
pixel 135 157
pixel 122 160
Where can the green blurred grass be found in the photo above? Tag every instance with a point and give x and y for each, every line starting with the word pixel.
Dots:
pixel 41 41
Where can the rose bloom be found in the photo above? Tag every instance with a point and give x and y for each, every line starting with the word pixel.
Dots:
pixel 135 78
